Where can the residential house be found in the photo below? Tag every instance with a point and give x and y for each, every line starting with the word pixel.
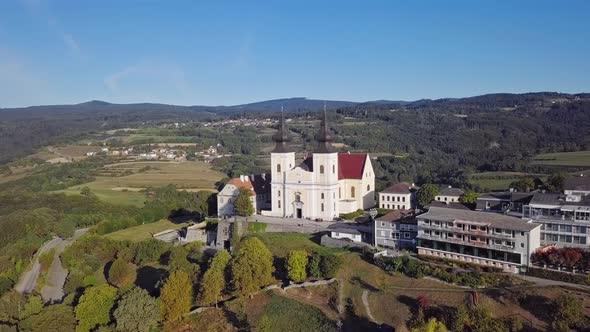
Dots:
pixel 395 230
pixel 400 196
pixel 259 186
pixel 449 195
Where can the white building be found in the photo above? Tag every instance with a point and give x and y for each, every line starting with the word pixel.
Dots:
pixel 400 196
pixel 259 186
pixel 449 195
pixel 323 185
pixel 347 233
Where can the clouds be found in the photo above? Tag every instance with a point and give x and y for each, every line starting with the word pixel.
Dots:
pixel 150 81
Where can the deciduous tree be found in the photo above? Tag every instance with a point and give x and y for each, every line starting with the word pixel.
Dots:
pixel 95 306
pixel 53 318
pixel 426 194
pixel 252 268
pixel 296 264
pixel 214 279
pixel 136 311
pixel 470 197
pixel 243 204
pixel 176 296
pixel 122 273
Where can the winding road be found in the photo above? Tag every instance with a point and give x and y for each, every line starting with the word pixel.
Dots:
pixel 56 275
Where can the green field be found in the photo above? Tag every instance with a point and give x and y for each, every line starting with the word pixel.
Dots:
pixel 497 181
pixel 281 243
pixel 144 232
pixel 579 158
pixel 190 175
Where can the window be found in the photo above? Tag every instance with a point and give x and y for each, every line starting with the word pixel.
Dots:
pixel 352 192
pixel 279 193
pixel 403 199
pixel 382 224
pixel 368 187
pixel 336 234
pixel 321 169
pixel 322 207
pixel 279 204
pixel 278 168
pixel 333 169
pixel 522 245
pixel 339 192
pixel 521 233
pixel 322 195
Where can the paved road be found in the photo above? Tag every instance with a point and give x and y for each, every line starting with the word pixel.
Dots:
pixel 28 280
pixel 56 275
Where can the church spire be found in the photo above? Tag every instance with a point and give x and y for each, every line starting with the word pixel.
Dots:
pixel 324 137
pixel 281 137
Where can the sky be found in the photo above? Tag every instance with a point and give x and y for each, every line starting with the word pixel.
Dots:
pixel 233 52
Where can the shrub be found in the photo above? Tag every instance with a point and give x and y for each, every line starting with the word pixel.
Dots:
pixel 296 264
pixel 556 275
pixel 313 266
pixel 329 266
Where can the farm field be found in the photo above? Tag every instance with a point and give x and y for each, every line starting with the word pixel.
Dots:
pixel 498 181
pixel 145 231
pixel 281 243
pixel 115 187
pixel 578 158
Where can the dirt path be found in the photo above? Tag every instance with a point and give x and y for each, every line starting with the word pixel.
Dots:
pixel 365 298
pixel 28 280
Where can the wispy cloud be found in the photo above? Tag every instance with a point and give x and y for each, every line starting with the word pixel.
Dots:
pixel 149 80
pixel 40 9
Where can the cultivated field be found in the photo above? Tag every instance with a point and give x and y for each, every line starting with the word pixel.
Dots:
pixel 115 187
pixel 144 232
pixel 498 181
pixel 579 158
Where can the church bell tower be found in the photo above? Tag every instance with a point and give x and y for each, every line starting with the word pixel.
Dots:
pixel 282 159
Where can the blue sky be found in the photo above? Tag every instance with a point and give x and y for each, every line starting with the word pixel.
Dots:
pixel 231 52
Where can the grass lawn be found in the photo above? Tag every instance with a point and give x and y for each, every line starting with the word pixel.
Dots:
pixel 281 243
pixel 144 232
pixel 279 313
pixel 578 158
pixel 109 195
pixel 497 181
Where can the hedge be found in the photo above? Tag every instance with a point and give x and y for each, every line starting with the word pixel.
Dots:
pixel 558 276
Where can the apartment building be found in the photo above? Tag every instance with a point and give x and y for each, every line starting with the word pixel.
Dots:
pixel 449 195
pixel 489 239
pixel 565 218
pixel 400 196
pixel 395 230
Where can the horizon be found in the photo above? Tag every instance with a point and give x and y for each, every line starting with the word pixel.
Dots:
pixel 223 54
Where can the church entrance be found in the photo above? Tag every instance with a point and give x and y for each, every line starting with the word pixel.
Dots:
pixel 299 213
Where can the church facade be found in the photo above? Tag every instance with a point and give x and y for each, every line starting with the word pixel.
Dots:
pixel 322 186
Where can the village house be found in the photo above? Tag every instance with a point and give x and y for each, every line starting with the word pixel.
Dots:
pixel 259 186
pixel 400 196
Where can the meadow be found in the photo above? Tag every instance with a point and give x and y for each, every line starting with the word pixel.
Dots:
pixel 578 158
pixel 145 231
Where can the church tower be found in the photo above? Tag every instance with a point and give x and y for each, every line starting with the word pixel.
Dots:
pixel 282 160
pixel 325 169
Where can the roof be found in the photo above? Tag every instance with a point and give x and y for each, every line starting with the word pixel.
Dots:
pixel 577 183
pixel 499 196
pixel 451 205
pixel 557 199
pixel 450 192
pixel 396 215
pixel 520 197
pixel 351 165
pixel 346 231
pixel 256 183
pixel 399 188
pixel 489 218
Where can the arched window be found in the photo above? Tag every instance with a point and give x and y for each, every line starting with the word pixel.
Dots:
pixel 322 195
pixel 368 187
pixel 321 169
pixel 279 193
pixel 322 207
pixel 333 169
pixel 278 168
pixel 279 204
pixel 352 192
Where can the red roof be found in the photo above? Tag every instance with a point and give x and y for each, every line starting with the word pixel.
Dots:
pixel 351 165
pixel 258 186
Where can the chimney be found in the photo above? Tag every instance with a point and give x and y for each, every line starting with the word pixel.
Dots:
pixel 241 178
pixel 252 177
pixel 246 178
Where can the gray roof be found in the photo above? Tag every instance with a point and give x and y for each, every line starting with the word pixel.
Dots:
pixel 399 188
pixel 489 218
pixel 502 196
pixel 577 183
pixel 557 199
pixel 346 231
pixel 450 192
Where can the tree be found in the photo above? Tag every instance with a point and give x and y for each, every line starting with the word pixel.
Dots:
pixel 313 267
pixel 567 312
pixel 243 204
pixel 470 197
pixel 296 264
pixel 556 181
pixel 122 273
pixel 178 261
pixel 213 282
pixel 53 318
pixel 525 184
pixel 33 306
pixel 176 296
pixel 426 194
pixel 136 311
pixel 252 268
pixel 95 306
pixel 432 325
pixel 330 265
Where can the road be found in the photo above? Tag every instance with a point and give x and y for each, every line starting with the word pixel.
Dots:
pixel 56 275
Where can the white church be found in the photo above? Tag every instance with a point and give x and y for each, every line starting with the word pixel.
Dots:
pixel 322 186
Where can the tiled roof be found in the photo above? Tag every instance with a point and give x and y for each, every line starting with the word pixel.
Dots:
pixel 396 215
pixel 450 192
pixel 258 185
pixel 399 188
pixel 489 218
pixel 577 183
pixel 351 165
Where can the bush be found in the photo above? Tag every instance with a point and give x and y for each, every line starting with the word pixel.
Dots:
pixel 5 285
pixel 352 215
pixel 313 266
pixel 556 275
pixel 329 266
